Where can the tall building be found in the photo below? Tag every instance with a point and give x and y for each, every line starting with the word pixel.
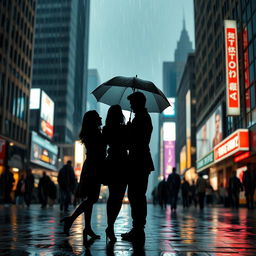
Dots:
pixel 225 87
pixel 60 61
pixel 172 72
pixel 92 83
pixel 16 48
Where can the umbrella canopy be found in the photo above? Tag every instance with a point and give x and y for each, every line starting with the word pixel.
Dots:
pixel 116 90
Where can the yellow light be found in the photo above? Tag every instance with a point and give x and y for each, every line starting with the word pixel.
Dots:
pixel 15 169
pixel 11 144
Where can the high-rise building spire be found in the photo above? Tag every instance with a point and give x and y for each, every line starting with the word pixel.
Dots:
pixel 184 22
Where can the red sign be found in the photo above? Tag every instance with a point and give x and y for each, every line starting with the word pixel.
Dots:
pixel 242 157
pixel 2 151
pixel 238 141
pixel 232 75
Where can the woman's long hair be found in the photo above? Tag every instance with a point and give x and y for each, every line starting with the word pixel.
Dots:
pixel 90 124
pixel 115 116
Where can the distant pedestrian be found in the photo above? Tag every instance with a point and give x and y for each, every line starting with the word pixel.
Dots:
pixel 173 183
pixel 249 181
pixel 154 195
pixel 235 186
pixel 67 185
pixel 52 193
pixel 162 193
pixel 209 193
pixel 7 182
pixel 223 195
pixel 200 190
pixel 20 190
pixel 185 193
pixel 193 195
pixel 43 189
pixel 29 186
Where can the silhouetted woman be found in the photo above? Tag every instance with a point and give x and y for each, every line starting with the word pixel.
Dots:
pixel 114 135
pixel 89 186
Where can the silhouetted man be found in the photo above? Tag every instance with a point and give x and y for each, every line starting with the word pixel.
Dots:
pixel 67 182
pixel 249 186
pixel 173 182
pixel 141 164
pixel 235 186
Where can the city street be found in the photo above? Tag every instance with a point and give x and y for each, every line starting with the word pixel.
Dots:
pixel 213 231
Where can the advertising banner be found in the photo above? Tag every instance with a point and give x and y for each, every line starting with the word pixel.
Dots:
pixel 34 99
pixel 43 152
pixel 46 116
pixel 169 157
pixel 2 151
pixel 210 134
pixel 237 141
pixel 188 128
pixel 232 75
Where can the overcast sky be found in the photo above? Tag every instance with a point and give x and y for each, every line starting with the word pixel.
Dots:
pixel 134 37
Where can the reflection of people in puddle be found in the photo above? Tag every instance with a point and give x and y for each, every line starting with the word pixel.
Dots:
pixel 138 249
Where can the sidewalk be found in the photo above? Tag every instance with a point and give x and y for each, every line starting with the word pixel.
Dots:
pixel 215 231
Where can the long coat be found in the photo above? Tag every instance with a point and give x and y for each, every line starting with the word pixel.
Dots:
pixel 140 131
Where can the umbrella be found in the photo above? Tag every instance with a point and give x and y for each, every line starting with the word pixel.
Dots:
pixel 116 90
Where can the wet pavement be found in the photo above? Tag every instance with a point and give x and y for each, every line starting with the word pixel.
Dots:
pixel 213 231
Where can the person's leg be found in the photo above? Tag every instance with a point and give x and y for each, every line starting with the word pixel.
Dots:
pixel 114 203
pixel 137 188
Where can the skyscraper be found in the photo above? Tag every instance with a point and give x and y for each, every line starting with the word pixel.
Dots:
pixel 60 61
pixel 16 47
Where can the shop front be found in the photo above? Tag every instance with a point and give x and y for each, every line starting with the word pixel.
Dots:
pixel 225 158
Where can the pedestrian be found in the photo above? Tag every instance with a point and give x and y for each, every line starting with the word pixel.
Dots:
pixel 185 193
pixel 7 182
pixel 200 191
pixel 67 184
pixel 114 133
pixel 223 195
pixel 249 181
pixel 29 186
pixel 43 189
pixel 90 179
pixel 52 193
pixel 154 195
pixel 20 189
pixel 173 182
pixel 209 193
pixel 162 190
pixel 141 164
pixel 193 195
pixel 235 186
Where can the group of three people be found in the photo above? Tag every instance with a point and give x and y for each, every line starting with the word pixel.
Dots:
pixel 122 151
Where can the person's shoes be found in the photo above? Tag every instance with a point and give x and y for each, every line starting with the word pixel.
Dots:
pixel 135 235
pixel 89 232
pixel 67 224
pixel 110 235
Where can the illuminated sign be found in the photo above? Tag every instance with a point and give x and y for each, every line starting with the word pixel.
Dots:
pixel 232 75
pixel 79 158
pixel 210 134
pixel 34 100
pixel 170 111
pixel 204 162
pixel 46 115
pixel 238 141
pixel 242 157
pixel 169 137
pixel 188 128
pixel 2 151
pixel 43 152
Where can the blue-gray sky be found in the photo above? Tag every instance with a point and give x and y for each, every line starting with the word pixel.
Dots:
pixel 129 37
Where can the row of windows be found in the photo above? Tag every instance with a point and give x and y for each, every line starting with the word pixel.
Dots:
pixel 53 30
pixel 50 61
pixel 45 49
pixel 51 40
pixel 49 71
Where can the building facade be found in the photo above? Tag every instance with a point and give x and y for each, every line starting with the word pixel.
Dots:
pixel 223 133
pixel 16 50
pixel 60 61
pixel 185 121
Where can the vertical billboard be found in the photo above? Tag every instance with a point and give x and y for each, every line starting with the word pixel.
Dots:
pixel 188 128
pixel 170 111
pixel 232 75
pixel 46 116
pixel 34 99
pixel 169 137
pixel 210 134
